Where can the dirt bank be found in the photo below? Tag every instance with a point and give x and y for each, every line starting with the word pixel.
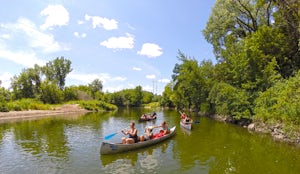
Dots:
pixel 67 109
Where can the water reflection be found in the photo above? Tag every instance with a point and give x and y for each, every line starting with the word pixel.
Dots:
pixel 42 137
pixel 72 145
pixel 140 161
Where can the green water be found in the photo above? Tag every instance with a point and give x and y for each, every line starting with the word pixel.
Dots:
pixel 72 145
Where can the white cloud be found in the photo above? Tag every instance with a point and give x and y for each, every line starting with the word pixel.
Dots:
pixel 80 22
pixel 150 50
pixel 164 80
pixel 137 69
pixel 76 34
pixel 148 88
pixel 5 79
pixel 150 76
pixel 124 42
pixel 107 24
pixel 24 34
pixel 25 58
pixel 113 89
pixel 57 15
pixel 5 36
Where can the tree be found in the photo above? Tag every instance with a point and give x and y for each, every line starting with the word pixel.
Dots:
pixel 51 93
pixel 138 96
pixel 27 84
pixel 230 101
pixel 4 98
pixel 71 93
pixel 236 18
pixel 95 87
pixel 57 70
pixel 189 83
pixel 286 20
pixel 167 96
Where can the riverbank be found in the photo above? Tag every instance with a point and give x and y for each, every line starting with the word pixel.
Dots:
pixel 66 110
pixel 278 131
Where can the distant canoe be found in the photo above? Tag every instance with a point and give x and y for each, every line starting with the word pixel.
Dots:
pixel 186 125
pixel 147 118
pixel 112 148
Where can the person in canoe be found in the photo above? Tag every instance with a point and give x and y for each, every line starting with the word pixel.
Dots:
pixel 164 128
pixel 132 133
pixel 148 134
pixel 147 117
pixel 153 114
pixel 185 118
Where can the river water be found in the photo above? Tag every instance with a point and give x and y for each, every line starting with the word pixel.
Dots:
pixel 72 144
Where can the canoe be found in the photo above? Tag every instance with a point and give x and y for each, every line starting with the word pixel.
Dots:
pixel 112 148
pixel 148 118
pixel 185 125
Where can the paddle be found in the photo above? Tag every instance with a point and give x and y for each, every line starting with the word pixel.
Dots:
pixel 112 135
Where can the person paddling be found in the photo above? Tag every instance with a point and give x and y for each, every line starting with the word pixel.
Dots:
pixel 132 133
pixel 165 130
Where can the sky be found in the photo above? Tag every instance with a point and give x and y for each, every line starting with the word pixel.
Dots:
pixel 123 43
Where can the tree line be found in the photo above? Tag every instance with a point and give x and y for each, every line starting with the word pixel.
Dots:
pixel 46 84
pixel 256 76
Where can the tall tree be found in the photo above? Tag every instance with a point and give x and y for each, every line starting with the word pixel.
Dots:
pixel 27 84
pixel 95 87
pixel 58 69
pixel 287 20
pixel 236 18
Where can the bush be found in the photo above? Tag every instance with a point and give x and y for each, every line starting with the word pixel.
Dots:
pixel 96 105
pixel 280 102
pixel 228 100
pixel 27 104
pixel 3 107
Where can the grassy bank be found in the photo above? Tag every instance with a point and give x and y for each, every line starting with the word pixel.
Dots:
pixel 32 104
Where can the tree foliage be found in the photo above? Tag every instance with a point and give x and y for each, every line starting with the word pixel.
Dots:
pixel 130 97
pixel 281 102
pixel 57 70
pixel 256 43
pixel 95 87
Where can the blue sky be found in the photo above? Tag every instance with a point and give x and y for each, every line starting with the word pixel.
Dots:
pixel 124 43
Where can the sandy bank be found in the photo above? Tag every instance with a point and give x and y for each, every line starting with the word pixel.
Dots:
pixel 67 109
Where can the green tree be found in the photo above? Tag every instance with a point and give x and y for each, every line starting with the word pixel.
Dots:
pixel 57 70
pixel 95 87
pixel 167 96
pixel 230 101
pixel 27 84
pixel 4 98
pixel 51 93
pixel 71 93
pixel 280 103
pixel 191 82
pixel 236 18
pixel 286 20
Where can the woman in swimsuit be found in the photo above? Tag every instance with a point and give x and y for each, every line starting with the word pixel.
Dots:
pixel 132 133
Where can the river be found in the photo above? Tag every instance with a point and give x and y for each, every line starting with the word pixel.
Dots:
pixel 72 144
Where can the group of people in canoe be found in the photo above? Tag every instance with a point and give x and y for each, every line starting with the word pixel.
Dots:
pixel 186 118
pixel 147 117
pixel 148 133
